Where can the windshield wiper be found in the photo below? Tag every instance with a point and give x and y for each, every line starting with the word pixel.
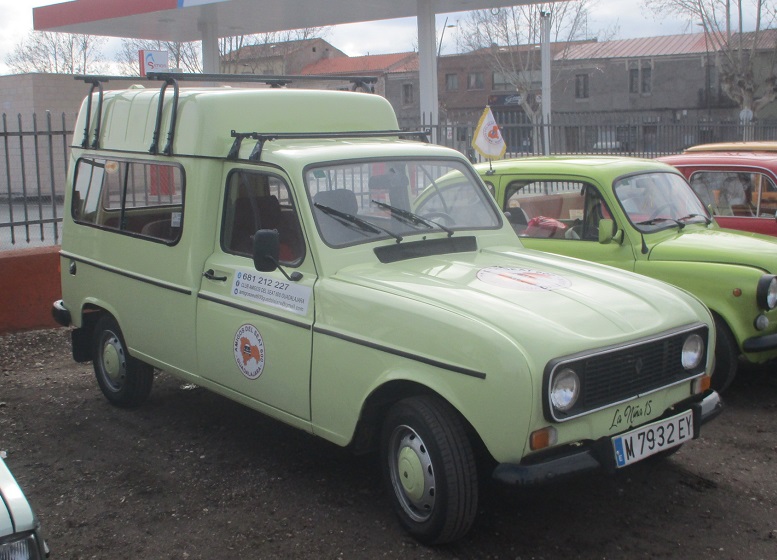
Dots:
pixel 707 221
pixel 350 219
pixel 413 219
pixel 654 221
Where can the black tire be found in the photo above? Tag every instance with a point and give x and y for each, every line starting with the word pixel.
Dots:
pixel 726 357
pixel 125 381
pixel 429 469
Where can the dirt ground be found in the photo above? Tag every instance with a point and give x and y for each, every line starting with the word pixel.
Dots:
pixel 192 475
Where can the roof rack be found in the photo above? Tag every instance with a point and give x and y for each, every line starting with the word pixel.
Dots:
pixel 172 78
pixel 262 137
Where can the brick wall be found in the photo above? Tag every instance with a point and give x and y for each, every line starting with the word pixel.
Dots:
pixel 29 284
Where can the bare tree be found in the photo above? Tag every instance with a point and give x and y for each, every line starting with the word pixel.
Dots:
pixel 185 56
pixel 507 39
pixel 745 60
pixel 57 53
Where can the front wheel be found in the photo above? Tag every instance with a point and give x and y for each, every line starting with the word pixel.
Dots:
pixel 429 469
pixel 726 357
pixel 124 381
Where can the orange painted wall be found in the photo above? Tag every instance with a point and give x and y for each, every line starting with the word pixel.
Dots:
pixel 29 284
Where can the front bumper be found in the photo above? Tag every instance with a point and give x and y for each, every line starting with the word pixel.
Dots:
pixel 554 465
pixel 60 313
pixel 760 343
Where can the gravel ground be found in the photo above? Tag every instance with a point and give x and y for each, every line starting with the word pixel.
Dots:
pixel 193 475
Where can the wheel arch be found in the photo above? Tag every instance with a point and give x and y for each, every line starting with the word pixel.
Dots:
pixel 375 407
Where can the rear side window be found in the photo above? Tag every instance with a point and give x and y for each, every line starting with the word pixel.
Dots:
pixel 140 198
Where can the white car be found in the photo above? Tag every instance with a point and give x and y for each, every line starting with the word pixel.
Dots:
pixel 20 535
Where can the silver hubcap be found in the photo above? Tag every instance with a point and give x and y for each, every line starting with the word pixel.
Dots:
pixel 412 474
pixel 114 363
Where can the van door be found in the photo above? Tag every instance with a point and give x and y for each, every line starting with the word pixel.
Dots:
pixel 254 329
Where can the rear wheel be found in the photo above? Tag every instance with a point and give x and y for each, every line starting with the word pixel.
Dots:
pixel 123 380
pixel 429 469
pixel 726 357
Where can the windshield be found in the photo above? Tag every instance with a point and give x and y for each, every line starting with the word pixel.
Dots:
pixel 359 202
pixel 655 201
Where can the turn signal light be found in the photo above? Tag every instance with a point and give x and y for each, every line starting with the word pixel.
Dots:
pixel 701 384
pixel 543 438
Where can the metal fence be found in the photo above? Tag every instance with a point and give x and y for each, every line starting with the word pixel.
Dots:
pixel 34 163
pixel 33 167
pixel 638 138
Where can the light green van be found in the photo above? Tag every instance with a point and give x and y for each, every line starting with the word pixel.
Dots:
pixel 261 243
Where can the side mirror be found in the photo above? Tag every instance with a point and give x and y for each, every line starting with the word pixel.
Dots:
pixel 267 249
pixel 607 232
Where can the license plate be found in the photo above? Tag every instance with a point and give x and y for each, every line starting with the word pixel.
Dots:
pixel 648 440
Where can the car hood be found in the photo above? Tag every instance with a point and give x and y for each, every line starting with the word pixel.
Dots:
pixel 719 246
pixel 534 296
pixel 15 512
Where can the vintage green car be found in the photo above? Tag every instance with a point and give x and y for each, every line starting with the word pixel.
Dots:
pixel 270 253
pixel 642 216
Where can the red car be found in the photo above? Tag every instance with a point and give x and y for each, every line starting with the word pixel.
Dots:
pixel 737 181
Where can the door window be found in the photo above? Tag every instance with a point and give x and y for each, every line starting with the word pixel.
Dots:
pixel 555 209
pixel 254 201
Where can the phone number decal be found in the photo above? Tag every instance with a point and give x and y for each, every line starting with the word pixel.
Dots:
pixel 269 291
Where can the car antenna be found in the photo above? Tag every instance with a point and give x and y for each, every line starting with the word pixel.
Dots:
pixel 644 245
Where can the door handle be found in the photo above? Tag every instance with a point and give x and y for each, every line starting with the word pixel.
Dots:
pixel 210 274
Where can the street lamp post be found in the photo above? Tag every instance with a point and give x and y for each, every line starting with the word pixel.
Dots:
pixel 442 35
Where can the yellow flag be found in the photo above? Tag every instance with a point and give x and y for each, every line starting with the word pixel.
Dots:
pixel 488 141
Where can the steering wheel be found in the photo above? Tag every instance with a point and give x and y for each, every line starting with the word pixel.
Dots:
pixel 660 209
pixel 446 218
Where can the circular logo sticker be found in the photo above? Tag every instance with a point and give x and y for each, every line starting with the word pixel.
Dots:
pixel 249 351
pixel 526 279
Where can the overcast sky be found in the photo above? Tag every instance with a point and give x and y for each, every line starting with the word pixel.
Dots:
pixel 627 17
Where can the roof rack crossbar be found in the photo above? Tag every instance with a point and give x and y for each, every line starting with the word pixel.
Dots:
pixel 273 80
pixel 262 137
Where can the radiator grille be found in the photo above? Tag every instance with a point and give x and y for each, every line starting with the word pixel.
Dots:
pixel 615 375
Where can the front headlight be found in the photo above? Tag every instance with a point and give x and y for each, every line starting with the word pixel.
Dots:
pixel 564 390
pixel 693 351
pixel 25 548
pixel 766 293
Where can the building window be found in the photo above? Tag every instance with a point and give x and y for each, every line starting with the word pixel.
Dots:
pixel 451 82
pixel 475 80
pixel 646 81
pixel 640 79
pixel 581 86
pixel 504 81
pixel 407 94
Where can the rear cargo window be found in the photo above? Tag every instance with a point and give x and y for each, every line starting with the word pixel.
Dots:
pixel 135 197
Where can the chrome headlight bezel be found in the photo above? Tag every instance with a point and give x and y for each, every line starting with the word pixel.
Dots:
pixel 766 292
pixel 693 352
pixel 564 390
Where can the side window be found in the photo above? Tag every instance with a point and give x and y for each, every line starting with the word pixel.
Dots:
pixel 555 209
pixel 255 201
pixel 731 193
pixel 136 197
